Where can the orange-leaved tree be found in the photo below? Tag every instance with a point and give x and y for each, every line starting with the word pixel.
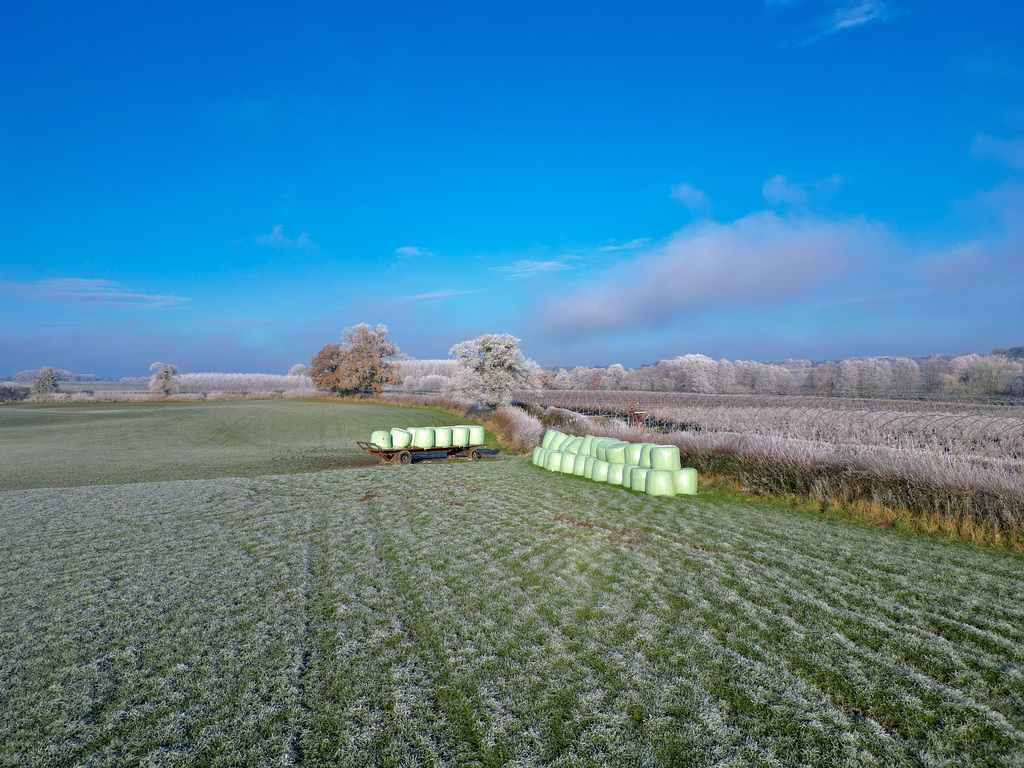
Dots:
pixel 363 361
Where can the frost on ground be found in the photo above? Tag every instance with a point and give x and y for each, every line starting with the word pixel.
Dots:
pixel 488 614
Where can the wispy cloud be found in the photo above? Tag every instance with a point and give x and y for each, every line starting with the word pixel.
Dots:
pixel 763 257
pixel 87 293
pixel 779 190
pixel 437 295
pixel 410 251
pixel 531 267
pixel 1007 151
pixel 847 16
pixel 692 198
pixel 632 245
pixel 276 239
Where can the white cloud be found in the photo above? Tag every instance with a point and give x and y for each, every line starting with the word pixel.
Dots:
pixel 761 257
pixel 531 267
pixel 276 239
pixel 89 293
pixel 631 245
pixel 1007 151
pixel 436 295
pixel 779 190
pixel 692 198
pixel 845 17
pixel 410 251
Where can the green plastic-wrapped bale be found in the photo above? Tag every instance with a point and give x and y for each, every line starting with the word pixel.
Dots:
pixel 573 445
pixel 460 436
pixel 633 454
pixel 616 452
pixel 423 437
pixel 477 435
pixel 553 463
pixel 568 463
pixel 601 447
pixel 542 458
pixel 645 454
pixel 685 481
pixel 443 437
pixel 381 438
pixel 579 469
pixel 537 454
pixel 588 443
pixel 660 482
pixel 615 470
pixel 588 467
pixel 548 437
pixel 558 439
pixel 638 479
pixel 400 438
pixel 599 473
pixel 665 457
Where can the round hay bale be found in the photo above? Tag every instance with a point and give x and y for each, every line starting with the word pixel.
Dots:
pixel 548 437
pixel 665 457
pixel 568 463
pixel 599 473
pixel 573 445
pixel 615 470
pixel 616 452
pixel 660 482
pixel 460 436
pixel 588 467
pixel 633 454
pixel 477 435
pixel 443 437
pixel 645 454
pixel 381 439
pixel 580 467
pixel 638 479
pixel 601 447
pixel 558 439
pixel 423 437
pixel 685 481
pixel 401 438
pixel 553 462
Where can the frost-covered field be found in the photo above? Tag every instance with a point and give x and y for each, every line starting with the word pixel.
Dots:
pixel 491 613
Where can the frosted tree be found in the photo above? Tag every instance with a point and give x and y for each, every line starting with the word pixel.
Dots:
pixel 364 361
pixel 164 382
pixel 299 370
pixel 906 376
pixel 490 368
pixel 45 382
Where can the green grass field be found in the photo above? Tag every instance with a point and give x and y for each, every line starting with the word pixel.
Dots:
pixel 73 445
pixel 486 613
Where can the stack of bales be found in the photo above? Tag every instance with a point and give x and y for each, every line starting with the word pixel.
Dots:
pixel 427 438
pixel 645 467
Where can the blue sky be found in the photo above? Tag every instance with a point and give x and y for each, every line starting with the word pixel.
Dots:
pixel 226 186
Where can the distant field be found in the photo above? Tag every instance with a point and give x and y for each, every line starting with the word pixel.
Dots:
pixel 487 613
pixel 70 445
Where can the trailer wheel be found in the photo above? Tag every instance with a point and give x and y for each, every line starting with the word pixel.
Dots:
pixel 385 458
pixel 474 454
pixel 403 457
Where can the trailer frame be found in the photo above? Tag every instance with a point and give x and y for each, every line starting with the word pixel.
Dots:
pixel 403 456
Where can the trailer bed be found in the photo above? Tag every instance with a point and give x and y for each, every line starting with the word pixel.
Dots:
pixel 404 455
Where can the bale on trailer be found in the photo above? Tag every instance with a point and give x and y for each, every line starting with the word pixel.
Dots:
pixel 443 437
pixel 381 438
pixel 401 438
pixel 423 437
pixel 460 436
